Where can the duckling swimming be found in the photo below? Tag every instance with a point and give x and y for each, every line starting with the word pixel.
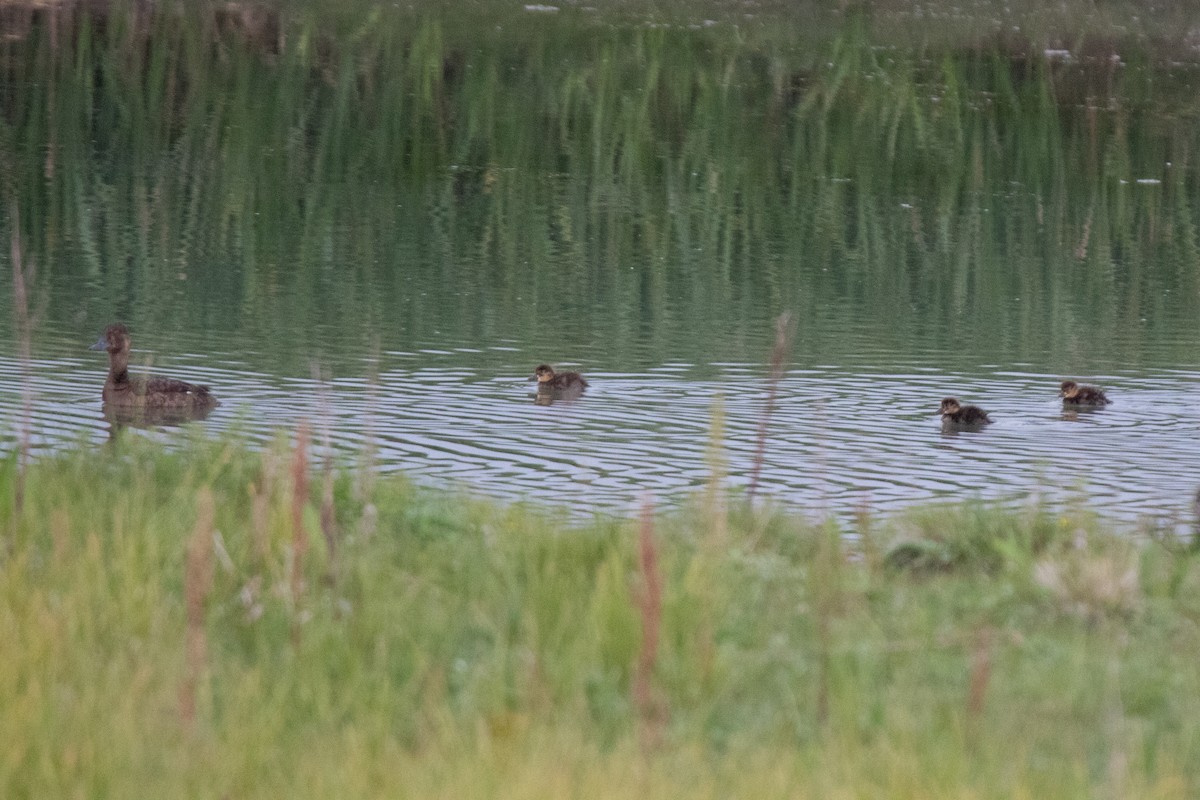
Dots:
pixel 1075 395
pixel 153 393
pixel 959 416
pixel 549 380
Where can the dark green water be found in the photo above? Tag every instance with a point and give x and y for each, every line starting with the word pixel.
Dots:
pixel 422 208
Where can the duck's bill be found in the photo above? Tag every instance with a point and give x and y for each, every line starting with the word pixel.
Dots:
pixel 100 345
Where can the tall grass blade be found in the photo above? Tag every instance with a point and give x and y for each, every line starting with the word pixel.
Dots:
pixel 650 707
pixel 784 330
pixel 22 276
pixel 197 585
pixel 299 535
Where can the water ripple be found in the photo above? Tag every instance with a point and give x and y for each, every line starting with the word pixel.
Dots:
pixel 839 439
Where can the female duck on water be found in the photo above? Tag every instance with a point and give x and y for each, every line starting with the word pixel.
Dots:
pixel 125 391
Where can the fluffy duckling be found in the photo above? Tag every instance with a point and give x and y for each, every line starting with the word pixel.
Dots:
pixel 551 381
pixel 1073 394
pixel 955 415
pixel 125 391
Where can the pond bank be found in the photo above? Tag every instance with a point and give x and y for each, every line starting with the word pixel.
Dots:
pixel 246 624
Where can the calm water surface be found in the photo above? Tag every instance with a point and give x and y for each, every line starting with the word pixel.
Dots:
pixel 423 210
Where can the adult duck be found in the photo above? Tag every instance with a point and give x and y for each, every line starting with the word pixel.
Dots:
pixel 150 392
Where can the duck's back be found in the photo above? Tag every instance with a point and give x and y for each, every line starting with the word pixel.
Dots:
pixel 568 380
pixel 158 392
pixel 969 415
pixel 1088 396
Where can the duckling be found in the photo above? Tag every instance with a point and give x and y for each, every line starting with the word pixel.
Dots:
pixel 123 391
pixel 955 415
pixel 551 381
pixel 1075 395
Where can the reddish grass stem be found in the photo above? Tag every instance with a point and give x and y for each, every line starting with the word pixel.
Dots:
pixel 825 643
pixel 261 492
pixel 197 584
pixel 714 490
pixel 328 512
pixel 329 520
pixel 650 711
pixel 784 328
pixel 981 674
pixel 299 537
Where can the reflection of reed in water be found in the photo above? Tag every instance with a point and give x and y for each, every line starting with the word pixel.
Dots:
pixel 322 130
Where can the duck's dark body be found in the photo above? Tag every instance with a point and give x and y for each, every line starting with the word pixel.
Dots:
pixel 155 392
pixel 125 391
pixel 956 415
pixel 551 381
pixel 1073 394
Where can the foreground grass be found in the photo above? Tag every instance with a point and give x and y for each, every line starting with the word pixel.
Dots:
pixel 189 624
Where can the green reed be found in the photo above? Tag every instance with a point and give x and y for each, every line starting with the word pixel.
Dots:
pixel 598 165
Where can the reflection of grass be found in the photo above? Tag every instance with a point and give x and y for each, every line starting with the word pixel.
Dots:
pixel 598 167
pixel 163 631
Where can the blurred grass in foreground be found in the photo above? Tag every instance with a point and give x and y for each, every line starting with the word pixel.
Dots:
pixel 189 623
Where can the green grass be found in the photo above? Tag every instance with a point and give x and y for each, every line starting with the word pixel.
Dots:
pixel 450 647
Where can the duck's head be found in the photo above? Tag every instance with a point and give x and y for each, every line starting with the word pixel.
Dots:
pixel 1068 390
pixel 114 340
pixel 544 373
pixel 949 406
